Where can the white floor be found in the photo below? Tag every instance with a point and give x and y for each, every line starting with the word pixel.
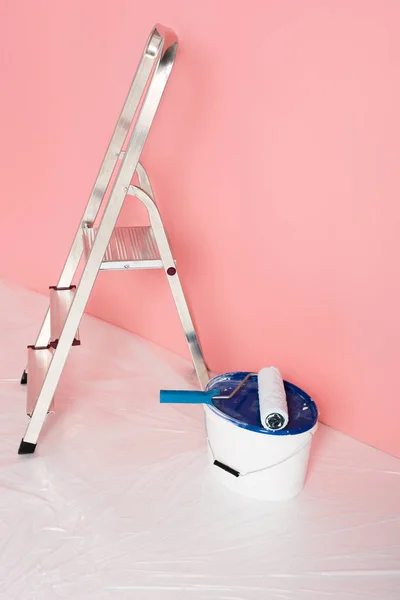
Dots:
pixel 118 501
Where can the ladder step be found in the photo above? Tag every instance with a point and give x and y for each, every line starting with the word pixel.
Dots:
pixel 129 248
pixel 39 359
pixel 60 303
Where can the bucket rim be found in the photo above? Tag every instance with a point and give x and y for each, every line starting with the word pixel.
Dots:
pixel 237 376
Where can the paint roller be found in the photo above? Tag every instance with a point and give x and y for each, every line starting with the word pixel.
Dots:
pixel 271 397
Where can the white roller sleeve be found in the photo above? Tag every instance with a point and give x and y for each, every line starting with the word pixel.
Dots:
pixel 272 399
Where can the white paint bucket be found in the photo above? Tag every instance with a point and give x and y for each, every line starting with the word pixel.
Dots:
pixel 267 465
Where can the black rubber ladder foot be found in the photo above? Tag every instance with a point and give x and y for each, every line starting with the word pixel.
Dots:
pixel 26 447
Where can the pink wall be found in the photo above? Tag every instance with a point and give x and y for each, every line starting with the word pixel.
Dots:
pixel 275 160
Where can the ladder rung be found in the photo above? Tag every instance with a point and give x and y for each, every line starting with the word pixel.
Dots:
pixel 60 303
pixel 39 359
pixel 129 248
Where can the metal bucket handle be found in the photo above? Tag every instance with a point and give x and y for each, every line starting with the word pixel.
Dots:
pixel 236 473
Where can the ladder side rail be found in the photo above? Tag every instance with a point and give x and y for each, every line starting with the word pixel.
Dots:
pixel 107 167
pixel 173 278
pixel 163 61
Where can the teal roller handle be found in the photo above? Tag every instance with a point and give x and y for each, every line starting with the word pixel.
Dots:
pixel 187 397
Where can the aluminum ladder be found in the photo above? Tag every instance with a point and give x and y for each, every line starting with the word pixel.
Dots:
pixel 104 246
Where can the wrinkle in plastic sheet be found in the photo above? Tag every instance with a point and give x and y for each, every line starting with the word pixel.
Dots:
pixel 118 501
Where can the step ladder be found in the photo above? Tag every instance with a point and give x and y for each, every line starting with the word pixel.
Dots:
pixel 103 246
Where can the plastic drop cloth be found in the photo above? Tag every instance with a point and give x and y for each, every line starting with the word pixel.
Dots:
pixel 118 501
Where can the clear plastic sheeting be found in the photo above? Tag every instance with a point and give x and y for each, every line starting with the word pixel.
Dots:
pixel 118 501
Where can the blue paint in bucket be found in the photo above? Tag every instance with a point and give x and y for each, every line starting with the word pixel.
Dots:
pixel 243 409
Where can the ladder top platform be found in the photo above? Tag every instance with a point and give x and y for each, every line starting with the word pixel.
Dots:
pixel 128 248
